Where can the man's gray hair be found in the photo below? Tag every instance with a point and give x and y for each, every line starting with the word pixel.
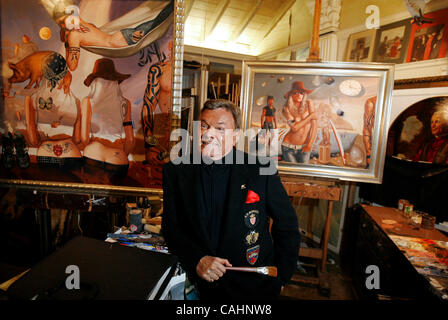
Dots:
pixel 226 104
pixel 442 110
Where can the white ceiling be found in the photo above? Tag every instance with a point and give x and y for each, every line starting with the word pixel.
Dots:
pixel 238 26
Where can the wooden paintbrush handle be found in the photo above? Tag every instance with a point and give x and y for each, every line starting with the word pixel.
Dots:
pixel 269 271
pixel 245 269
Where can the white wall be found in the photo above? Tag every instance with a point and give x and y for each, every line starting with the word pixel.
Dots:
pixel 402 99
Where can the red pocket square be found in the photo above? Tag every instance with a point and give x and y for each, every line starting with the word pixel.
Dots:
pixel 252 197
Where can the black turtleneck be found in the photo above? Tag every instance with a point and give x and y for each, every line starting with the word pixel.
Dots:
pixel 215 181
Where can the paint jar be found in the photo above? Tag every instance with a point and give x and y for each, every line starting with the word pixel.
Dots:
pixel 428 221
pixel 416 218
pixel 408 209
pixel 135 220
pixel 401 204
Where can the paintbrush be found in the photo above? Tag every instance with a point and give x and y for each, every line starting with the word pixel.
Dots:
pixel 269 271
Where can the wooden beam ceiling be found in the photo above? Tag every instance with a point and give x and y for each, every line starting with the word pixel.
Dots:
pixel 245 21
pixel 285 7
pixel 244 25
pixel 188 6
pixel 214 20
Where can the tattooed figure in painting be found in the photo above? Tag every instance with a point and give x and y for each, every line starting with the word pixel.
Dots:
pixel 53 118
pixel 369 118
pixel 77 33
pixel 156 109
pixel 106 116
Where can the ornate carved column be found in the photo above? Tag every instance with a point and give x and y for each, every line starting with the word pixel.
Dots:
pixel 330 16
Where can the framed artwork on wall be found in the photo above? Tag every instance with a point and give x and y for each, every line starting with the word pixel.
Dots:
pixel 420 132
pixel 90 91
pixel 360 46
pixel 392 42
pixel 318 119
pixel 430 40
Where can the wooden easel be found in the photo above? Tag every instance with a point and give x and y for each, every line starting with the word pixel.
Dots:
pixel 315 189
pixel 329 190
pixel 314 50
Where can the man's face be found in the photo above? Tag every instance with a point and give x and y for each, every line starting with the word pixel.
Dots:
pixel 437 125
pixel 271 102
pixel 218 134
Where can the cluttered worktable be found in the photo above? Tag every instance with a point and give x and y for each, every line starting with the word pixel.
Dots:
pixel 412 260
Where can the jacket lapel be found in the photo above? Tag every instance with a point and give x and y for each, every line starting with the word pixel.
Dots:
pixel 238 188
pixel 190 182
pixel 237 193
pixel 238 184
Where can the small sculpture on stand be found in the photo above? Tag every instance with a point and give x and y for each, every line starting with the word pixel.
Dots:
pixel 325 146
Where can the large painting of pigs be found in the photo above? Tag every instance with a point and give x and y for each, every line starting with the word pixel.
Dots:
pixel 324 120
pixel 87 92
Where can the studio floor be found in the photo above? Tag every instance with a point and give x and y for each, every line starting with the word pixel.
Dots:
pixel 340 285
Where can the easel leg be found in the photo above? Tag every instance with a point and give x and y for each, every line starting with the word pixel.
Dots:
pixel 309 226
pixel 326 236
pixel 324 282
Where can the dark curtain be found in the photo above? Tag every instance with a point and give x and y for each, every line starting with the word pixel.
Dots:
pixel 423 184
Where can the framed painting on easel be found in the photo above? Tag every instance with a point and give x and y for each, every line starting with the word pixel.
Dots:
pixel 325 120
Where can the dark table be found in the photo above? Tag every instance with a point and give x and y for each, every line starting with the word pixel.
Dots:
pixel 107 272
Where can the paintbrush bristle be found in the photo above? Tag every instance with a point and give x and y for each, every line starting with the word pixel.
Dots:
pixel 269 271
pixel 272 271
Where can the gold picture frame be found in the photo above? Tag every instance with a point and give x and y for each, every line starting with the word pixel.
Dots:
pixel 336 122
pixel 360 46
pixel 391 44
pixel 135 61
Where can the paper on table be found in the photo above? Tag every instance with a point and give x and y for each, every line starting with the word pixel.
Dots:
pixel 156 289
pixel 176 287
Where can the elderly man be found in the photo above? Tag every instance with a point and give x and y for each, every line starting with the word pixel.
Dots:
pixel 301 117
pixel 436 150
pixel 216 215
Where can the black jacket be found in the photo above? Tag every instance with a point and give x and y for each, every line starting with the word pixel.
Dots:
pixel 185 233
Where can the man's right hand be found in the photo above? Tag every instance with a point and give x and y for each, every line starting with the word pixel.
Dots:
pixel 212 268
